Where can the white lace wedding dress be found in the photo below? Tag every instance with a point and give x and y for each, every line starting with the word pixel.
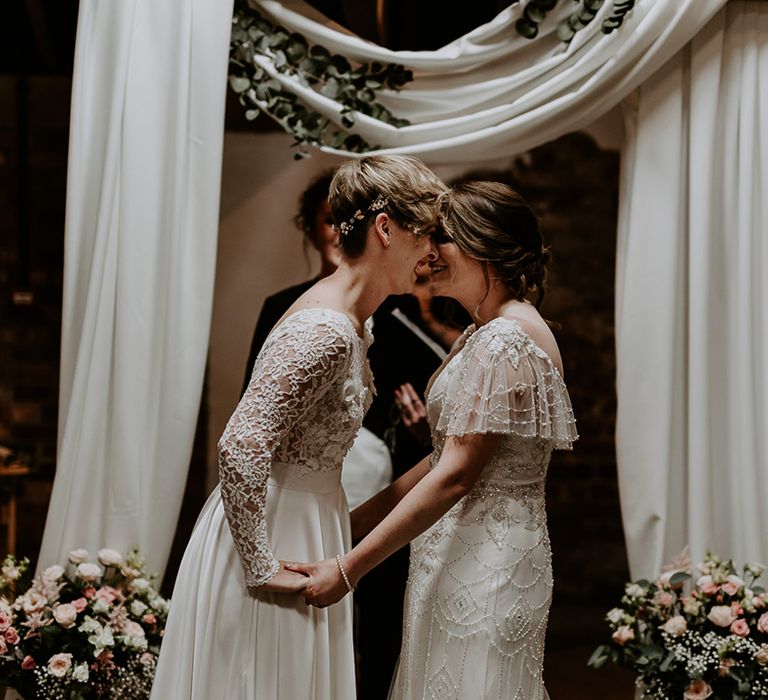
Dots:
pixel 480 580
pixel 279 498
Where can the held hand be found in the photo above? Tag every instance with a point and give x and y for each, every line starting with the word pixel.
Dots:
pixel 285 581
pixel 414 412
pixel 325 585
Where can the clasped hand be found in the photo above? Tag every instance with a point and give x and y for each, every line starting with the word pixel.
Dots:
pixel 325 585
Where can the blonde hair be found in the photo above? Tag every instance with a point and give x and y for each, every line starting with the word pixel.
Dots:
pixel 409 188
pixel 490 222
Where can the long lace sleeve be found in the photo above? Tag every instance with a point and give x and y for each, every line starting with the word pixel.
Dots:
pixel 509 386
pixel 296 366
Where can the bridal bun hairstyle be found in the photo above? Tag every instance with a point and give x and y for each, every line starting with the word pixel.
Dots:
pixel 401 186
pixel 490 222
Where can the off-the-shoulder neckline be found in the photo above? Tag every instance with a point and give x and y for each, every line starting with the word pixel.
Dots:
pixel 472 330
pixel 326 309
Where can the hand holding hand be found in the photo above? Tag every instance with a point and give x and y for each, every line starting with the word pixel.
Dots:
pixel 285 581
pixel 325 585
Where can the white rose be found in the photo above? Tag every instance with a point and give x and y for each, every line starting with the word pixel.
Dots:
pixel 721 615
pixel 78 556
pixel 59 664
pixel 615 616
pixel 88 572
pixel 676 626
pixel 53 573
pixel 139 585
pixel 100 607
pixel 65 614
pixel 11 572
pixel 80 673
pixel 634 590
pixel 138 608
pixel 110 557
pixel 133 629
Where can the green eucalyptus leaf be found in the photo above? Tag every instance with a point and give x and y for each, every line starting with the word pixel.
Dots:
pixel 238 83
pixel 251 114
pixel 565 32
pixel 593 5
pixel 534 14
pixel 679 577
pixel 330 89
pixel 526 28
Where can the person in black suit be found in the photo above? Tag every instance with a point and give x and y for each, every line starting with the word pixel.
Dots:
pixel 409 344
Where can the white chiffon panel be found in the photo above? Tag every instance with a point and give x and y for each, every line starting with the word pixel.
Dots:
pixel 222 642
pixel 692 302
pixel 140 241
pixel 493 93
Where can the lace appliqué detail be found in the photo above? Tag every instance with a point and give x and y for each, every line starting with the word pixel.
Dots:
pixel 304 405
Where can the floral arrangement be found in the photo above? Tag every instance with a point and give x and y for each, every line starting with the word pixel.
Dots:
pixel 81 631
pixel 693 640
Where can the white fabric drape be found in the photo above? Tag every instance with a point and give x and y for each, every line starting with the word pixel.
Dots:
pixel 491 92
pixel 692 301
pixel 142 208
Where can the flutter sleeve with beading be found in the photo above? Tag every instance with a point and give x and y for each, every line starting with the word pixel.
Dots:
pixel 507 385
pixel 293 371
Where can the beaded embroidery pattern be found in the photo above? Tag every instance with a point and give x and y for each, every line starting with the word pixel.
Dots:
pixel 480 582
pixel 310 388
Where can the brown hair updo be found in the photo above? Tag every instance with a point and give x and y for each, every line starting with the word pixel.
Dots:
pixel 490 222
pixel 410 188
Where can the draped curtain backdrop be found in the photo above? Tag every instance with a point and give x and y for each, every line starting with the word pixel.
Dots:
pixel 143 193
pixel 142 209
pixel 692 300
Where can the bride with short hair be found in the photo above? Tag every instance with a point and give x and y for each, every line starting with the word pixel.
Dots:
pixel 237 629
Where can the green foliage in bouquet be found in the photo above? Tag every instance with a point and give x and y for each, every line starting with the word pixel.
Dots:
pixel 535 12
pixel 693 640
pixel 82 631
pixel 260 51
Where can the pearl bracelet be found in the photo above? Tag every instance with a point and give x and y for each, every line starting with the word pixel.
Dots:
pixel 343 573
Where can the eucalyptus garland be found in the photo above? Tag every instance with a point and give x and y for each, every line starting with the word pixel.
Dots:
pixel 535 12
pixel 331 75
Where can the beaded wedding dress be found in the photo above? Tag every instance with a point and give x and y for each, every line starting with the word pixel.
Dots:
pixel 480 580
pixel 279 498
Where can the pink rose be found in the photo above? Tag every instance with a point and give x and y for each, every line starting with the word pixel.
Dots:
pixel 676 626
pixel 107 594
pixel 623 634
pixel 80 604
pixel 664 599
pixel 762 623
pixel 736 609
pixel 721 615
pixel 65 614
pixel 762 655
pixel 6 621
pixel 28 663
pixel 133 629
pixel 11 635
pixel 740 628
pixel 697 690
pixel 149 619
pixel 59 664
pixel 707 585
pixel 89 592
pixel 147 658
pixel 732 585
